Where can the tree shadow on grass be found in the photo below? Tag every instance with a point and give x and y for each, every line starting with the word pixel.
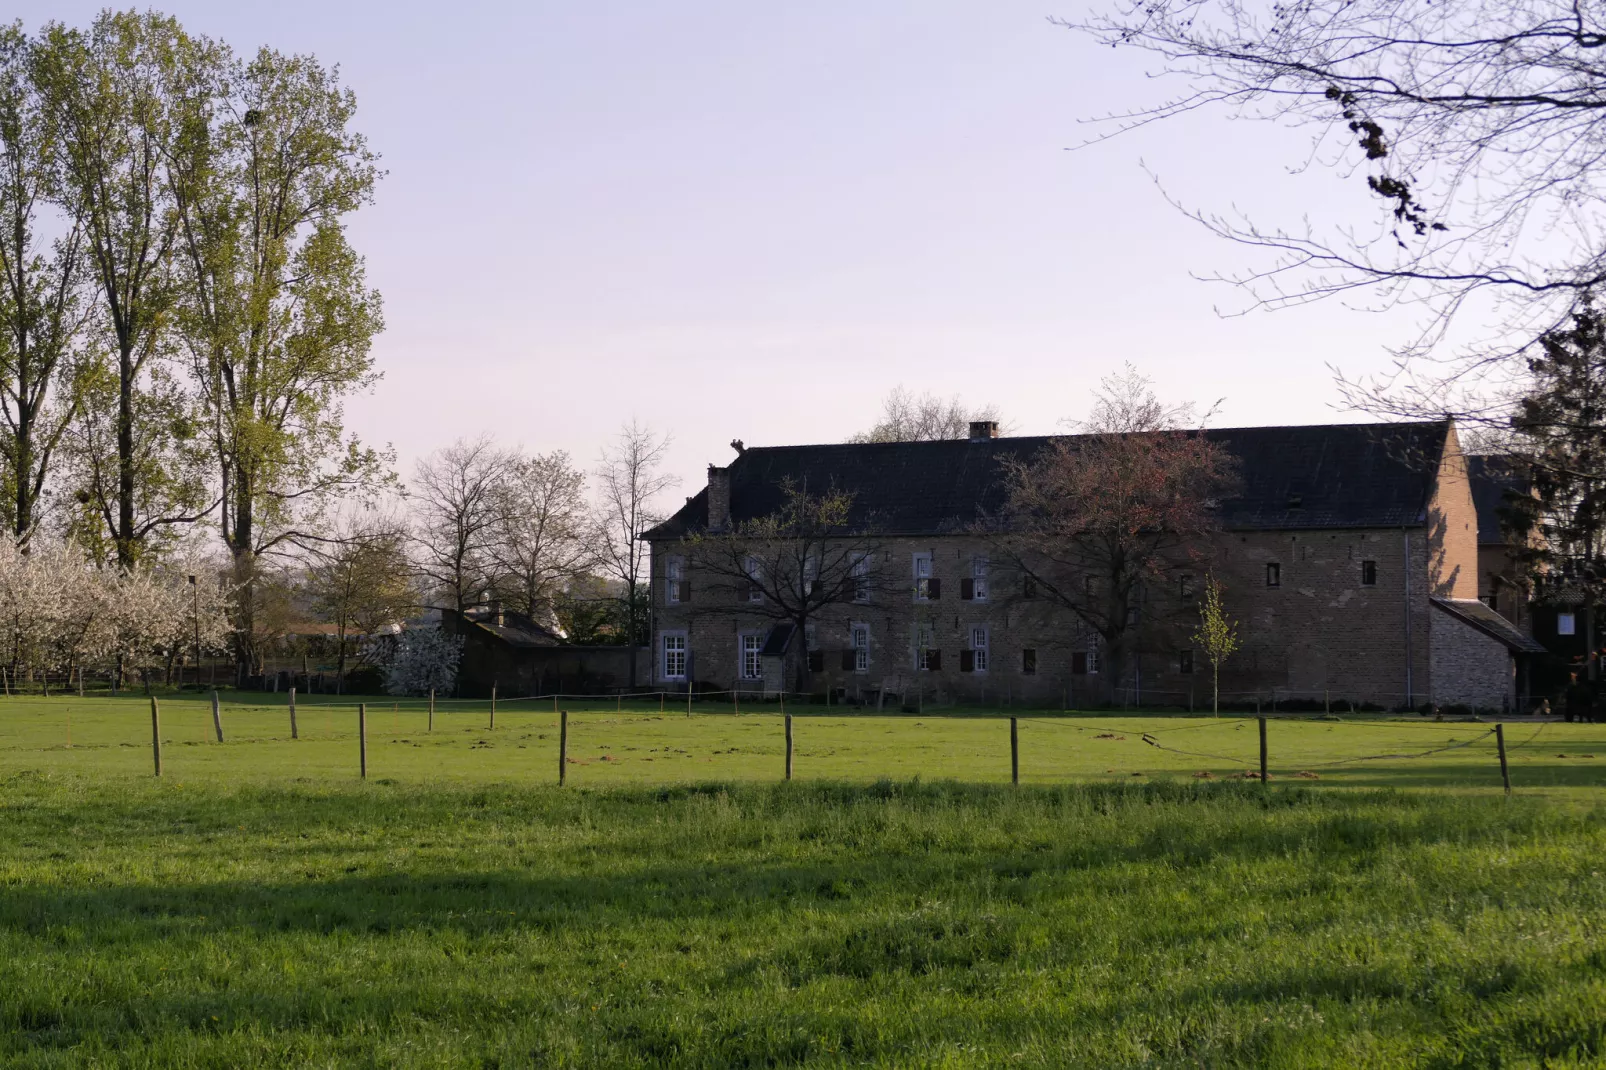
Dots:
pixel 553 926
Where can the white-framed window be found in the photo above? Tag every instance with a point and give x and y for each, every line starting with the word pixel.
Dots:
pixel 979 647
pixel 861 577
pixel 978 580
pixel 749 644
pixel 926 655
pixel 922 577
pixel 1093 659
pixel 1566 624
pixel 755 575
pixel 672 658
pixel 860 637
pixel 674 573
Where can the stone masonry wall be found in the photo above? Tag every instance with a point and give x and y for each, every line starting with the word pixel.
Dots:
pixel 1321 629
pixel 1469 667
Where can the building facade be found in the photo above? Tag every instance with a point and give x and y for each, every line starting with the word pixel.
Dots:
pixel 1349 555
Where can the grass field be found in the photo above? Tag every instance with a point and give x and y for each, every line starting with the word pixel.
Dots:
pixel 898 904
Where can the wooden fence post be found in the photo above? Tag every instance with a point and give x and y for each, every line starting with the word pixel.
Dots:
pixel 294 731
pixel 362 739
pixel 1014 752
pixel 1263 776
pixel 789 746
pixel 563 747
pixel 217 718
pixel 80 681
pixel 1500 741
pixel 156 736
pixel 493 706
pixel 432 709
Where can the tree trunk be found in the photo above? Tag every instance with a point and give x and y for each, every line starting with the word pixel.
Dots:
pixel 241 542
pixel 124 535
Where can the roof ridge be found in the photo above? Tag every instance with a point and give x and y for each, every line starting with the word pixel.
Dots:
pixel 1417 424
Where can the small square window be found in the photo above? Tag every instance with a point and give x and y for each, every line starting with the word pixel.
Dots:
pixel 1028 662
pixel 1185 662
pixel 1368 573
pixel 1566 624
pixel 1274 574
pixel 1185 586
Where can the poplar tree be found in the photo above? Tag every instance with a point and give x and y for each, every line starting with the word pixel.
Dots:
pixel 127 101
pixel 42 307
pixel 274 312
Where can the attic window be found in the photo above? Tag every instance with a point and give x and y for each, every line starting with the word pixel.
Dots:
pixel 1296 501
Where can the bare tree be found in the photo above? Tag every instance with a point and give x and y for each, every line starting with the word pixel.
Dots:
pixel 629 482
pixel 1096 522
pixel 1479 127
pixel 541 533
pixel 907 418
pixel 457 497
pixel 361 581
pixel 791 566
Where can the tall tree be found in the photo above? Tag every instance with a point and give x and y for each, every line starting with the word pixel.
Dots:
pixel 457 498
pixel 1560 439
pixel 541 533
pixel 126 101
pixel 907 418
pixel 42 311
pixel 1098 521
pixel 630 479
pixel 274 310
pixel 789 567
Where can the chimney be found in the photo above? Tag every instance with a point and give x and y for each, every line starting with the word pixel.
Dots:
pixel 981 430
pixel 719 498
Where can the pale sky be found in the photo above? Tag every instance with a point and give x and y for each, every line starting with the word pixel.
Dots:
pixel 738 220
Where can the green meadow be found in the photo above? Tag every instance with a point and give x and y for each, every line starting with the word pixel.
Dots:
pixel 898 903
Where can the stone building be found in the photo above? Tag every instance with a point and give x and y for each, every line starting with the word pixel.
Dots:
pixel 1349 555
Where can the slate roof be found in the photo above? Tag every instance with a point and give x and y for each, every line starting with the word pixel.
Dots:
pixel 1290 478
pixel 516 629
pixel 1474 613
pixel 1491 479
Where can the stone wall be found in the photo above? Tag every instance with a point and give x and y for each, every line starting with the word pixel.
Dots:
pixel 1470 668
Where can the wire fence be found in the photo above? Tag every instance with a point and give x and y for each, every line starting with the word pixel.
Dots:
pixel 1253 748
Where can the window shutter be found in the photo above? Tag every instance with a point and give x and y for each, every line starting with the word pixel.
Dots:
pixel 934 657
pixel 1079 663
pixel 934 588
pixel 967 589
pixel 685 590
pixel 850 660
pixel 967 661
